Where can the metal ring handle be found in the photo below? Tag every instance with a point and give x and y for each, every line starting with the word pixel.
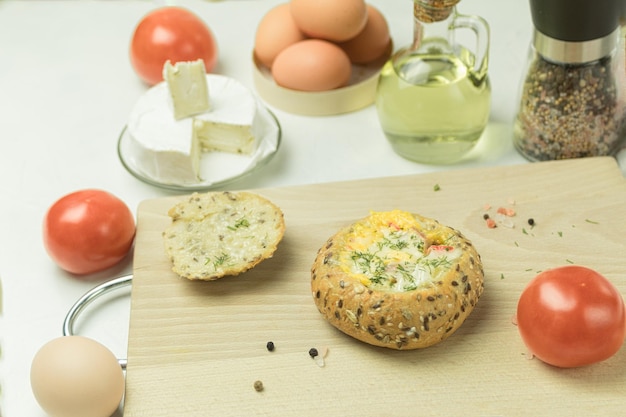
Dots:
pixel 88 298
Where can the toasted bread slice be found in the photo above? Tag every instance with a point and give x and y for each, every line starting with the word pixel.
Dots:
pixel 216 234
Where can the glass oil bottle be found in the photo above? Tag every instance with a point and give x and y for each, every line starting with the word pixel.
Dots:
pixel 433 98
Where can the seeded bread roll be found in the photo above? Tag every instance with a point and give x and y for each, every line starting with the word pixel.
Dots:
pixel 222 233
pixel 397 280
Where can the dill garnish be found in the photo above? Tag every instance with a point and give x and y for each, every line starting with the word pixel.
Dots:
pixel 243 222
pixel 218 261
pixel 387 242
pixel 369 264
pixel 433 264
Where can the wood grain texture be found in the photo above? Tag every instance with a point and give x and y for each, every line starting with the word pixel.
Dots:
pixel 196 348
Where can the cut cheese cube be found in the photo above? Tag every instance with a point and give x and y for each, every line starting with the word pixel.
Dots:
pixel 188 88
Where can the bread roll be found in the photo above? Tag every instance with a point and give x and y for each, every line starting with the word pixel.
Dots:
pixel 222 233
pixel 397 280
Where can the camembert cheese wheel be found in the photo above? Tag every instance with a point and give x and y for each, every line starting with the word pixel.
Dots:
pixel 169 150
pixel 397 280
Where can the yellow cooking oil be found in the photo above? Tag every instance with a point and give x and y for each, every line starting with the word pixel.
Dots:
pixel 432 105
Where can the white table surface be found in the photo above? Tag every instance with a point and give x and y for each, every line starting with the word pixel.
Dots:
pixel 66 89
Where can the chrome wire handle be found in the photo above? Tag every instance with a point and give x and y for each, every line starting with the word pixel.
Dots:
pixel 88 298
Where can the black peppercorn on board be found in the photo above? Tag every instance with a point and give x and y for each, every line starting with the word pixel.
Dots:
pixel 201 348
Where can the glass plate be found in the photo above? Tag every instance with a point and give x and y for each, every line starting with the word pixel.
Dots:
pixel 216 168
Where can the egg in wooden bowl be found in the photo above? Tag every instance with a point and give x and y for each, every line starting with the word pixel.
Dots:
pixel 305 67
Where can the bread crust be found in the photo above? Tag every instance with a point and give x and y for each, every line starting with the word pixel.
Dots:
pixel 216 234
pixel 397 319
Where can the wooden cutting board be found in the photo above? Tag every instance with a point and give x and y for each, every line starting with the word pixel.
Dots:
pixel 196 348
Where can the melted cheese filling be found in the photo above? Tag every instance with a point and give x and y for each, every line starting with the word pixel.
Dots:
pixel 388 251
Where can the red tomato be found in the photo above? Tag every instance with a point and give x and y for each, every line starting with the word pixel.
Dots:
pixel 88 231
pixel 571 316
pixel 170 33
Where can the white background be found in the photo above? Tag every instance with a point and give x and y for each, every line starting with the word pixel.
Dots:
pixel 66 89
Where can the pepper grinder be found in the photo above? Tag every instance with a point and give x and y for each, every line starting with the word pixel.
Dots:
pixel 572 101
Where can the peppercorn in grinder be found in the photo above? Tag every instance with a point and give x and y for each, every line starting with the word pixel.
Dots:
pixel 572 100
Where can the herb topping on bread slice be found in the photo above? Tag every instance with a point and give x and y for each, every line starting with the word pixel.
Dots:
pixel 216 234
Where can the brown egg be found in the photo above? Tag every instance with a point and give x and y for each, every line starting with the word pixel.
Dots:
pixel 372 42
pixel 276 31
pixel 74 376
pixel 312 65
pixel 334 20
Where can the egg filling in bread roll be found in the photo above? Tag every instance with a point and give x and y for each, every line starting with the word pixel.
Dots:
pixel 397 279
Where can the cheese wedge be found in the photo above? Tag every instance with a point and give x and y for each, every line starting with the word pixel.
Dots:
pixel 187 87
